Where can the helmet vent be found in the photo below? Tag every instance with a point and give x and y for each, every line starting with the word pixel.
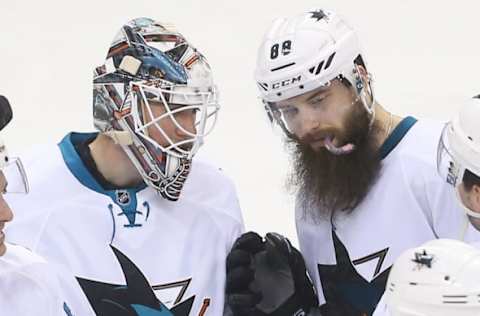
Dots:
pixel 283 67
pixel 320 67
pixel 455 299
pixel 264 86
pixel 329 61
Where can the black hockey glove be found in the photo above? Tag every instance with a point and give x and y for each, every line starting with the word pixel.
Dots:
pixel 267 277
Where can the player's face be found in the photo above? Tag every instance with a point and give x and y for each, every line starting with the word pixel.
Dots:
pixel 320 114
pixel 471 200
pixel 186 119
pixel 6 214
pixel 326 179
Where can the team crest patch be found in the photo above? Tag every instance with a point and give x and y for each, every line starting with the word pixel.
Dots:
pixel 123 197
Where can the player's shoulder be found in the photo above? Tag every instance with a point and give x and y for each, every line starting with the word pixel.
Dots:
pixel 209 185
pixel 40 159
pixel 419 144
pixel 209 178
pixel 207 170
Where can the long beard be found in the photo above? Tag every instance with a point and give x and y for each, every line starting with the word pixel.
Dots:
pixel 326 183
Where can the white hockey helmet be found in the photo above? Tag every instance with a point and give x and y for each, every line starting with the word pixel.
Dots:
pixel 11 167
pixel 459 147
pixel 305 52
pixel 439 278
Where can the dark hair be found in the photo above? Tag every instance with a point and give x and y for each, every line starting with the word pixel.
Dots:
pixel 359 61
pixel 470 179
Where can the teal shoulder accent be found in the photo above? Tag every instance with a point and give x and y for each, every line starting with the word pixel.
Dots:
pixel 75 163
pixel 126 198
pixel 396 136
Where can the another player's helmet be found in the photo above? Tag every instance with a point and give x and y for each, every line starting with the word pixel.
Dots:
pixel 11 167
pixel 459 147
pixel 146 62
pixel 305 52
pixel 438 278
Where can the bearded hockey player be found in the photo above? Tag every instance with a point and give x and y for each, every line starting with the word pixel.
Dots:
pixel 28 285
pixel 143 227
pixel 365 179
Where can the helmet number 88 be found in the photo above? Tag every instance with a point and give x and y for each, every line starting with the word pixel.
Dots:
pixel 286 48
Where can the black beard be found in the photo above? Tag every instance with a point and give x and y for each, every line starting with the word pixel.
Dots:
pixel 326 183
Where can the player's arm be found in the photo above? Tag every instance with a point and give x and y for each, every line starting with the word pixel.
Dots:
pixel 268 277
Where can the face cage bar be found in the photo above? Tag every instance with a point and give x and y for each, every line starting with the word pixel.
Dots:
pixel 14 169
pixel 208 100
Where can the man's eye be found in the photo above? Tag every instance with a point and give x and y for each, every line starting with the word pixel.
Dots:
pixel 174 106
pixel 289 111
pixel 317 101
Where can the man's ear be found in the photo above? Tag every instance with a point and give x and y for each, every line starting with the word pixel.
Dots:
pixel 366 79
pixel 363 72
pixel 475 197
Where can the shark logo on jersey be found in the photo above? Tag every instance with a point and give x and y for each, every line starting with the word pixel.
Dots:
pixel 135 298
pixel 344 286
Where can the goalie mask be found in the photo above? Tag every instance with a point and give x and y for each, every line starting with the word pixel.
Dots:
pixel 439 278
pixel 152 76
pixel 459 148
pixel 306 52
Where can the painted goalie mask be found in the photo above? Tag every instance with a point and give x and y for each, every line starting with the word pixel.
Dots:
pixel 152 76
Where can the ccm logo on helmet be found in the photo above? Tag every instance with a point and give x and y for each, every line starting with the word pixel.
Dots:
pixel 286 82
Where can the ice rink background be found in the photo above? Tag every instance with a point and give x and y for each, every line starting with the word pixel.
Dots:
pixel 424 56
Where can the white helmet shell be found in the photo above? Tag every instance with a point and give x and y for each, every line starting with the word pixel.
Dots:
pixel 459 148
pixel 438 278
pixel 302 53
pixel 464 136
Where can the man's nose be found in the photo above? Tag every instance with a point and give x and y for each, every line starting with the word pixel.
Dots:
pixel 6 214
pixel 306 126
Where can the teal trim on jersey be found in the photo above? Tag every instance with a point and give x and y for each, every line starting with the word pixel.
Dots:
pixel 126 198
pixel 396 136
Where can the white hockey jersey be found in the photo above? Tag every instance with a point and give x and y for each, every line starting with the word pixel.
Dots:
pixel 124 246
pixel 349 258
pixel 29 286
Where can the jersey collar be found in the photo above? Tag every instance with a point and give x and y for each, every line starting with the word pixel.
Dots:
pixel 78 168
pixel 396 136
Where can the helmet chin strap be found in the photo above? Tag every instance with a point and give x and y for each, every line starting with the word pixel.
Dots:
pixel 120 137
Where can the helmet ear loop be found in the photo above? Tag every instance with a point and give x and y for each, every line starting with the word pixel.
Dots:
pixel 364 89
